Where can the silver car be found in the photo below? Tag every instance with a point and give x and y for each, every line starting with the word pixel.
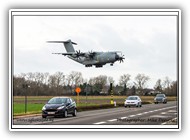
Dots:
pixel 133 101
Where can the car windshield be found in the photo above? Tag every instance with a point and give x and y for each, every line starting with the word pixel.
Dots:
pixel 57 101
pixel 160 95
pixel 132 98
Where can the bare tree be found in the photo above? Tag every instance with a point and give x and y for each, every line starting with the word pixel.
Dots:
pixel 46 78
pixel 99 83
pixel 52 81
pixel 60 79
pixel 74 79
pixel 17 85
pixel 141 81
pixel 101 79
pixel 124 82
pixel 124 79
pixel 174 87
pixel 92 81
pixel 110 80
pixel 59 82
pixel 166 84
pixel 158 85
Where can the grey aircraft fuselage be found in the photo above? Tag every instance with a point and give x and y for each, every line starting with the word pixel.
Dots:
pixel 89 58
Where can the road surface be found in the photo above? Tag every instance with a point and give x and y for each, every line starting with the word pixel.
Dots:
pixel 150 114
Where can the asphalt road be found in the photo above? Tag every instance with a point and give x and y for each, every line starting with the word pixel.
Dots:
pixel 150 114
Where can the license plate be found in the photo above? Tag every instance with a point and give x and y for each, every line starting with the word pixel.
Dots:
pixel 51 112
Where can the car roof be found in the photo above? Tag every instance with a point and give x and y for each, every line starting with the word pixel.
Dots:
pixel 133 96
pixel 61 97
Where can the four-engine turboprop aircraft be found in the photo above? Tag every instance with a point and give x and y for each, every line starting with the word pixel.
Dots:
pixel 89 58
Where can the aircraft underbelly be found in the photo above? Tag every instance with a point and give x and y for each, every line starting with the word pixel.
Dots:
pixel 98 60
pixel 91 62
pixel 84 61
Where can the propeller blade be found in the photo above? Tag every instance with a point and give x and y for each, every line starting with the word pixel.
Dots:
pixel 91 54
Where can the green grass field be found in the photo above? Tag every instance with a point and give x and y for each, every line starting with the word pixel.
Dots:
pixel 31 108
pixel 35 103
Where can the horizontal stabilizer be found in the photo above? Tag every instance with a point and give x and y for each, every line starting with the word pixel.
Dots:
pixel 68 41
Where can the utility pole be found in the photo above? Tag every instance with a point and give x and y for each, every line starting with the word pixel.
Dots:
pixel 25 87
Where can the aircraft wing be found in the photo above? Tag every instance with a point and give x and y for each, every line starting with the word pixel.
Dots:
pixel 64 53
pixel 77 54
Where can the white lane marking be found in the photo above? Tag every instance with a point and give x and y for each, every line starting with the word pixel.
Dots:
pixel 132 115
pixel 163 113
pixel 123 118
pixel 172 111
pixel 99 123
pixel 139 114
pixel 169 121
pixel 159 116
pixel 112 120
pixel 144 113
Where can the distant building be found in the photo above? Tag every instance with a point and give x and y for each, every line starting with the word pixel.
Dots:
pixel 152 92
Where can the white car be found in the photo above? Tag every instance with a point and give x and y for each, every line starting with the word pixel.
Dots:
pixel 133 101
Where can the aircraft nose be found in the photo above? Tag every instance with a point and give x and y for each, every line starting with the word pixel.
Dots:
pixel 116 57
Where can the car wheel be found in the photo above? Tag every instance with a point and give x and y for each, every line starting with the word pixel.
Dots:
pixel 75 113
pixel 125 106
pixel 44 116
pixel 65 114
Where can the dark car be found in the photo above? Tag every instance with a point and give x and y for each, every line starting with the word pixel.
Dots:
pixel 59 106
pixel 160 98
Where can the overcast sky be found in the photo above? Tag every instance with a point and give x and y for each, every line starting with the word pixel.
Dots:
pixel 148 43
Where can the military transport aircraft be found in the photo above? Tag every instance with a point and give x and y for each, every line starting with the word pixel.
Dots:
pixel 89 58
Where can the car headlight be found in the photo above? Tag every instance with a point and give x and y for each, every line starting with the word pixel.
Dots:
pixel 44 108
pixel 61 107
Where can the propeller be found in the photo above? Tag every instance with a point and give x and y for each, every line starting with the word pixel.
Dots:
pixel 91 54
pixel 119 58
pixel 78 54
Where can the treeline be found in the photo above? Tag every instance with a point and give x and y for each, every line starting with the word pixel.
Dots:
pixel 58 84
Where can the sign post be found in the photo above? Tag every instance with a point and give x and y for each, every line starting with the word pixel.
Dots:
pixel 78 90
pixel 111 92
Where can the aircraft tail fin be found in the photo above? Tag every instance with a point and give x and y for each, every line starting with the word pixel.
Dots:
pixel 68 45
